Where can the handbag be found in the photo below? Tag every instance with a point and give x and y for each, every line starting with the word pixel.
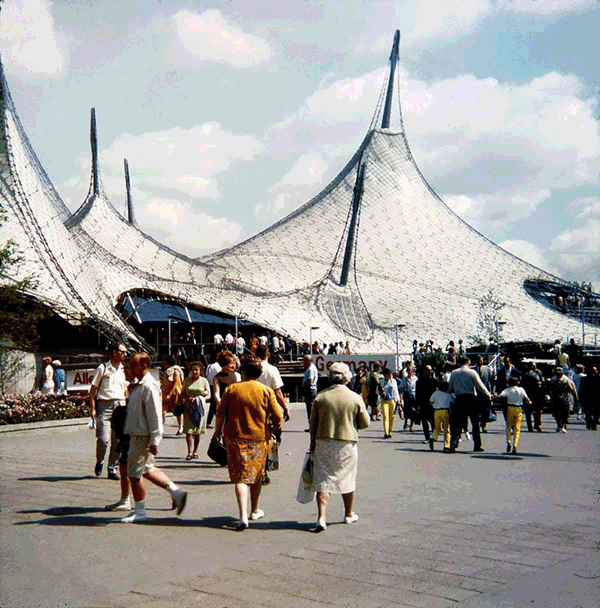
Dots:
pixel 308 469
pixel 273 456
pixel 306 490
pixel 217 452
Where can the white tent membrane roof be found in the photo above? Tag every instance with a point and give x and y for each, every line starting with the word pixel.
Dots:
pixel 409 258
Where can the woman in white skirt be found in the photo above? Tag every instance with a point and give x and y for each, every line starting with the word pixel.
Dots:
pixel 337 415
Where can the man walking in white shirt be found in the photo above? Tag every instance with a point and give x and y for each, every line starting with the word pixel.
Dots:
pixel 107 392
pixel 272 378
pixel 145 428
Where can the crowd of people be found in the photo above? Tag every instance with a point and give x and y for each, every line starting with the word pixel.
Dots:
pixel 187 347
pixel 462 395
pixel 53 379
pixel 241 401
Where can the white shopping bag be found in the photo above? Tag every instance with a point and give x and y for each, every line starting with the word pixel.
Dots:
pixel 306 491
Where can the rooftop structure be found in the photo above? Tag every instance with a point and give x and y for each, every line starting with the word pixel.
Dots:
pixel 375 249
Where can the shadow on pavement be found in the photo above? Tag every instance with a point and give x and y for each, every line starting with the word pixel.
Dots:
pixel 55 478
pixel 229 523
pixel 185 466
pixel 64 511
pixel 519 456
pixel 205 482
pixel 82 517
pixel 73 520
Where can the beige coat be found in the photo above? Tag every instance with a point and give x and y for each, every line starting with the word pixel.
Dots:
pixel 338 413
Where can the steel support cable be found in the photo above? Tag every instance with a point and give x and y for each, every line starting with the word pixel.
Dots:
pixel 32 228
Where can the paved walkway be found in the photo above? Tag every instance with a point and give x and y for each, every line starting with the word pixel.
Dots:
pixel 436 530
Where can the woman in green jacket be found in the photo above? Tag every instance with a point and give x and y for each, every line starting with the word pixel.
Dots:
pixel 337 415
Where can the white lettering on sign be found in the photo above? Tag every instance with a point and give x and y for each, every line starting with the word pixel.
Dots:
pixel 323 362
pixel 81 379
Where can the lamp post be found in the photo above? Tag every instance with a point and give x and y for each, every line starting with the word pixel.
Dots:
pixel 499 324
pixel 398 327
pixel 311 340
pixel 241 316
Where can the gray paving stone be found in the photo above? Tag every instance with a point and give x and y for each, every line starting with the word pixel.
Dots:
pixel 476 530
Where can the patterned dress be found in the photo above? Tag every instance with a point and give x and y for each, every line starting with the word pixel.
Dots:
pixel 199 388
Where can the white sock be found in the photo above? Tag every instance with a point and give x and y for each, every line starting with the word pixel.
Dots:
pixel 139 507
pixel 171 488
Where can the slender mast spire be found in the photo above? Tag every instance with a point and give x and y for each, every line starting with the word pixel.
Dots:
pixel 394 57
pixel 359 188
pixel 94 144
pixel 130 213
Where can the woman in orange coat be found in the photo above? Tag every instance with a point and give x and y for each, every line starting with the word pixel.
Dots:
pixel 246 415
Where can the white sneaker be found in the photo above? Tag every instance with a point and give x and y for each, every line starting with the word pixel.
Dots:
pixel 180 500
pixel 321 525
pixel 563 430
pixel 468 435
pixel 135 517
pixel 258 515
pixel 124 504
pixel 353 518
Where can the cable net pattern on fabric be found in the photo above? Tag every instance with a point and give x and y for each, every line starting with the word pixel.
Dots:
pixel 375 248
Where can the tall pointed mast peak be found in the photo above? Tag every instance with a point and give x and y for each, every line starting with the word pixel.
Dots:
pixel 94 145
pixel 395 54
pixel 394 58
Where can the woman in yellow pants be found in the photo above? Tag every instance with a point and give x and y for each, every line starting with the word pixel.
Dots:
pixel 390 397
pixel 516 397
pixel 441 401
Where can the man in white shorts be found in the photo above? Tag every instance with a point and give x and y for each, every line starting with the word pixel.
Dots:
pixel 145 428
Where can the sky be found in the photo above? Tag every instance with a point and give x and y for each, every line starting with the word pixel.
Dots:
pixel 232 114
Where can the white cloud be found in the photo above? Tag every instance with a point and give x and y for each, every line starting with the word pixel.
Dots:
pixel 173 173
pixel 347 99
pixel 530 253
pixel 29 39
pixel 578 247
pixel 492 148
pixel 422 23
pixel 188 160
pixel 210 38
pixel 272 208
pixel 584 208
pixel 546 7
pixel 539 132
pixel 308 169
pixel 296 186
pixel 184 229
pixel 493 210
pixel 439 18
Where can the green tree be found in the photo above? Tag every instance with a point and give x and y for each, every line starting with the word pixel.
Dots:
pixel 19 313
pixel 437 359
pixel 488 314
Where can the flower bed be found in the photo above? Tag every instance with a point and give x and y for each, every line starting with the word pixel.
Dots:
pixel 15 409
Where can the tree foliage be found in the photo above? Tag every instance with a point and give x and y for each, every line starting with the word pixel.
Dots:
pixel 19 314
pixel 488 314
pixel 436 359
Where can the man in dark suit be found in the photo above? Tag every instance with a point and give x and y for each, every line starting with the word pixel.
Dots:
pixel 466 386
pixel 487 377
pixel 505 373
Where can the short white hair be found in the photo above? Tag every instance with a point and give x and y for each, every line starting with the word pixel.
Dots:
pixel 339 373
